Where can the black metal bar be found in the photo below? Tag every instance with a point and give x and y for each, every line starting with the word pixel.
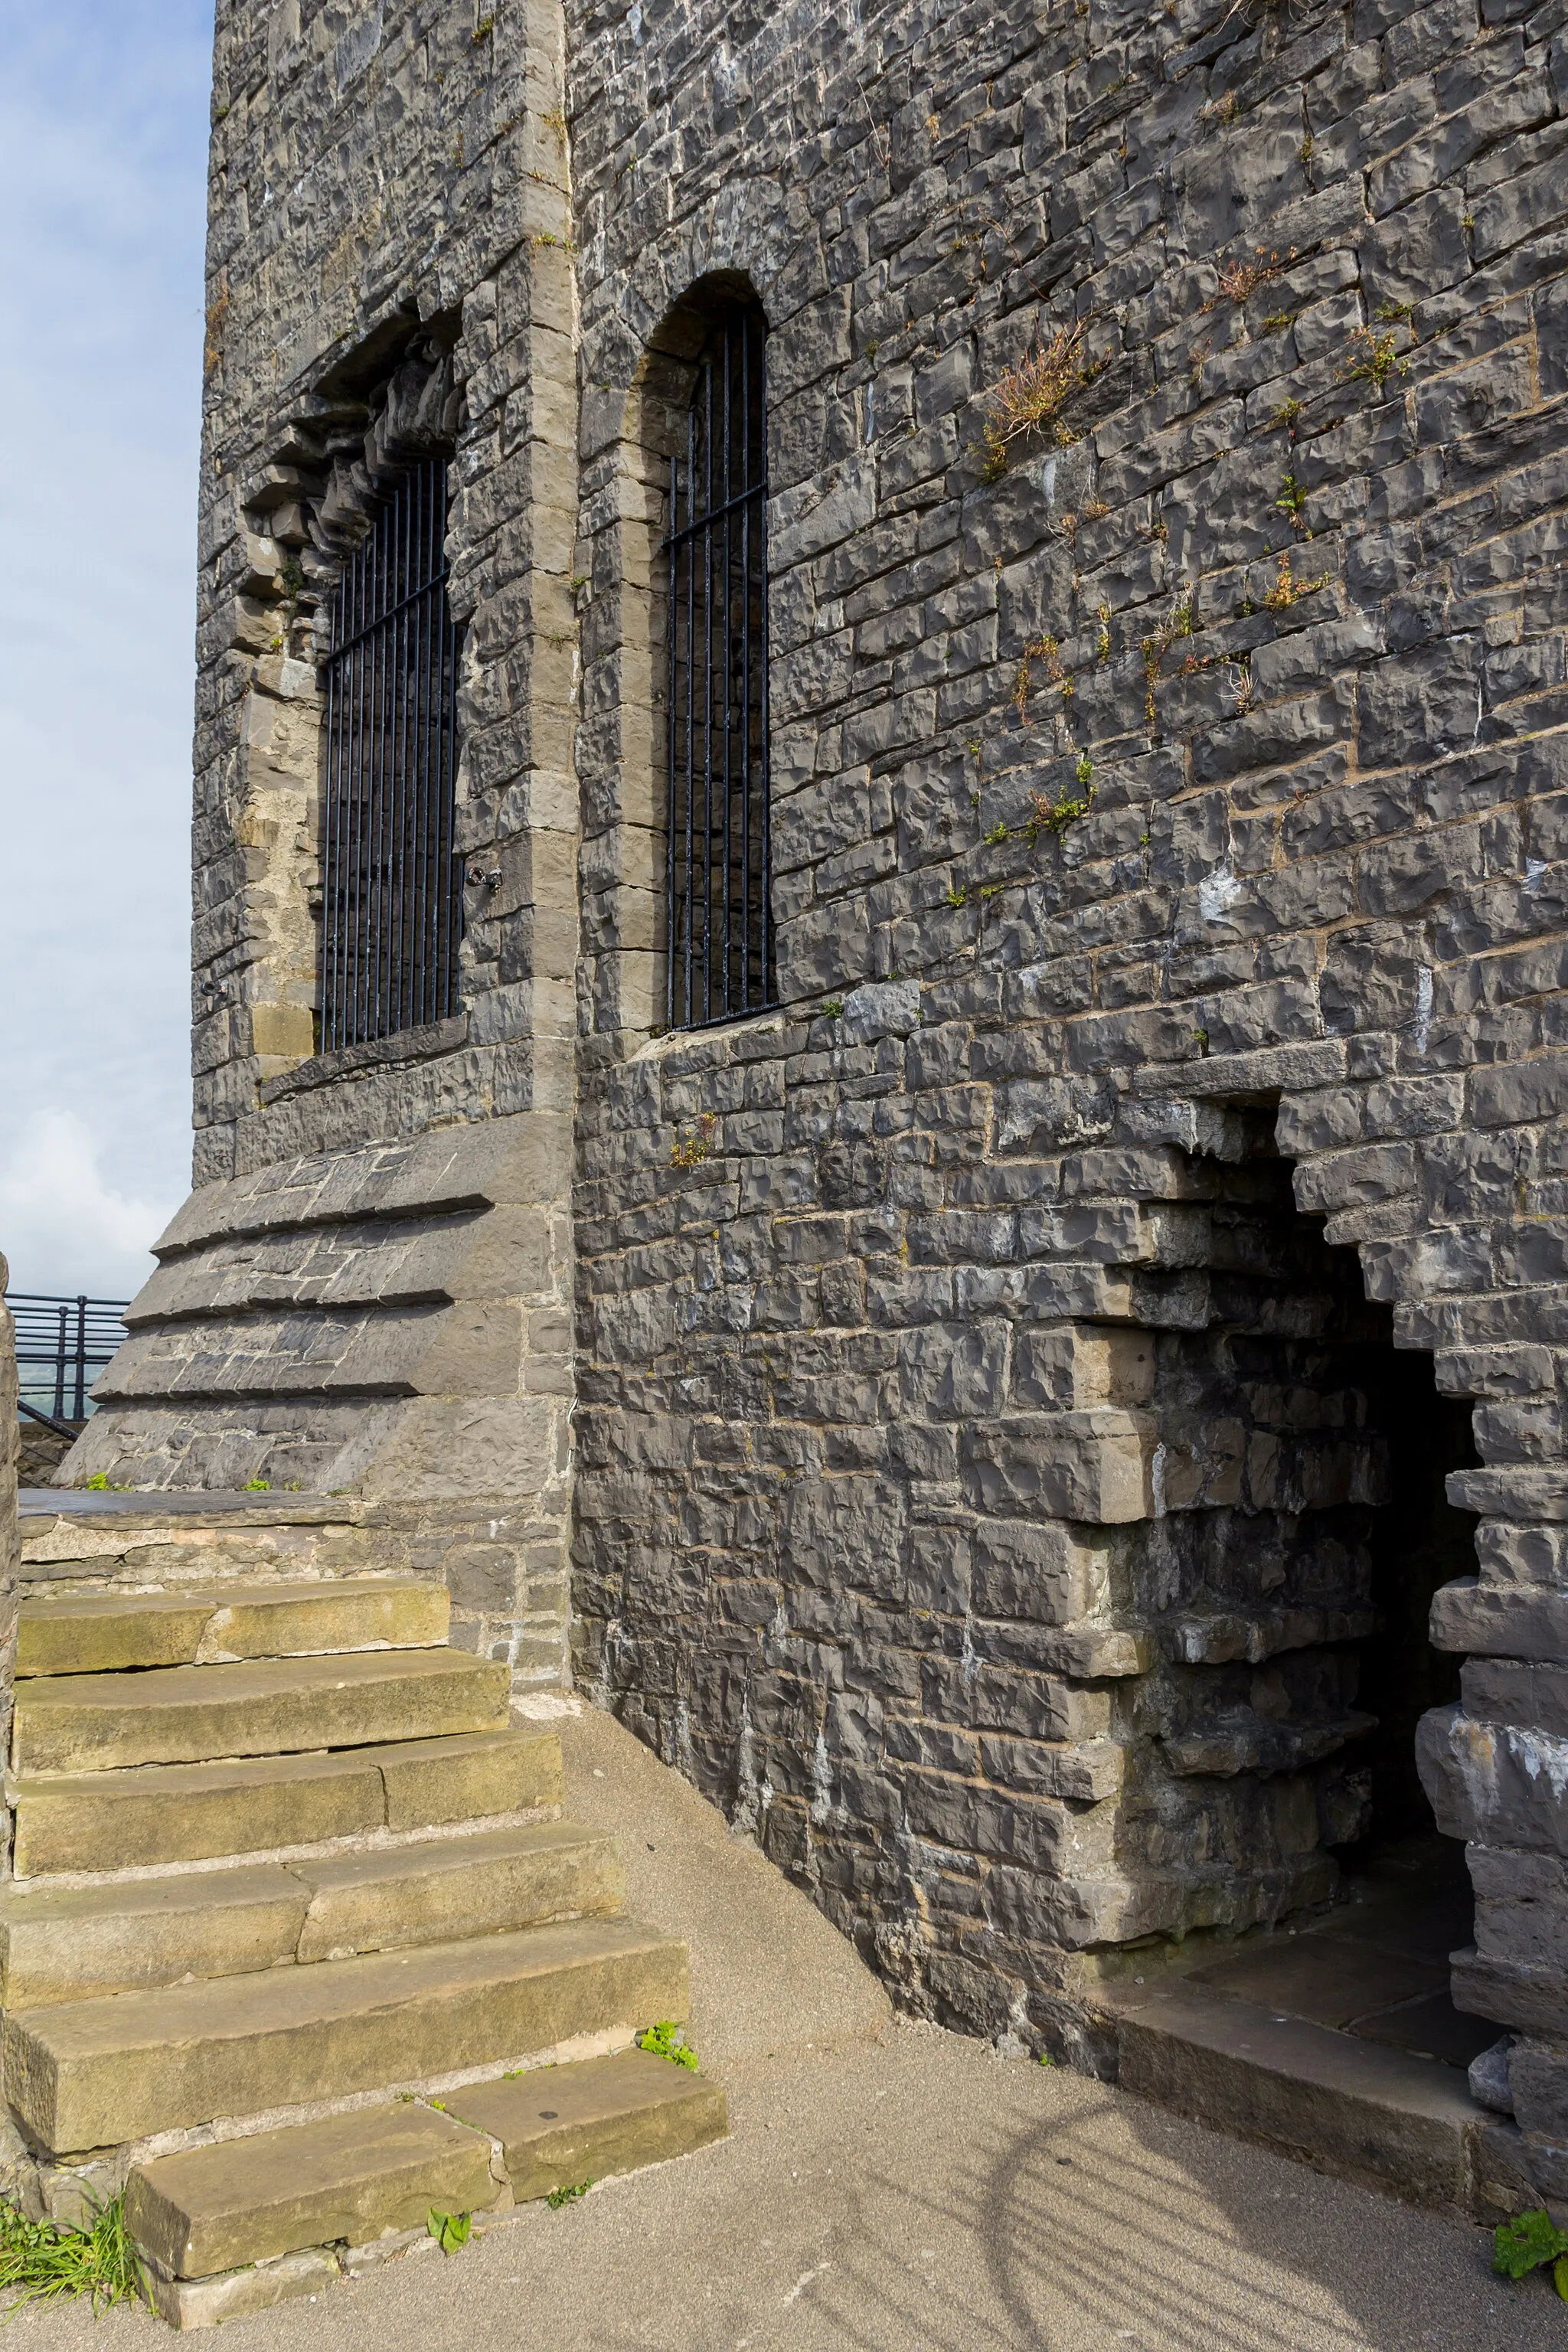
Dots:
pixel 729 648
pixel 673 608
pixel 746 661
pixel 765 910
pixel 60 1343
pixel 690 688
pixel 718 882
pixel 392 884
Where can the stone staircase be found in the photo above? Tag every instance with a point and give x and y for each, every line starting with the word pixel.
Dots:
pixel 295 1929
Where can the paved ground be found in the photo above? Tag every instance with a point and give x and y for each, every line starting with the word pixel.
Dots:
pixel 889 2188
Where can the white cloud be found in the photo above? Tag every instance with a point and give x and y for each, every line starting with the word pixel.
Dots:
pixel 62 1226
pixel 103 109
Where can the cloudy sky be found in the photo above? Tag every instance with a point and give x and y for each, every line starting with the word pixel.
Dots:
pixel 103 116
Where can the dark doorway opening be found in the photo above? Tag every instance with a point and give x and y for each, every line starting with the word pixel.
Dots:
pixel 1355 1512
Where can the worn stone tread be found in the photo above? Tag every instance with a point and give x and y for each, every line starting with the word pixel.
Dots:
pixel 1362 2110
pixel 76 1943
pixel 169 1715
pixel 484 1883
pixel 95 2072
pixel 346 2178
pixel 559 2126
pixel 196 1812
pixel 105 1632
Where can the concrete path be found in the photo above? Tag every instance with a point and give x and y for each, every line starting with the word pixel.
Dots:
pixel 889 2188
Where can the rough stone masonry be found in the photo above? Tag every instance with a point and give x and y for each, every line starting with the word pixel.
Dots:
pixel 1011 1381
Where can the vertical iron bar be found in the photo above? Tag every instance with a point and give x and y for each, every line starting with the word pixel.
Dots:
pixel 418 795
pixel 60 1369
pixel 402 955
pixel 361 785
pixel 364 835
pixel 452 640
pixel 765 812
pixel 707 693
pixel 80 1413
pixel 329 947
pixel 690 692
pixel 729 882
pixel 746 662
pixel 375 960
pixel 358 809
pixel 671 609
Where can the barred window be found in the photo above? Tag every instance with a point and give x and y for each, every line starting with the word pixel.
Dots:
pixel 391 913
pixel 720 961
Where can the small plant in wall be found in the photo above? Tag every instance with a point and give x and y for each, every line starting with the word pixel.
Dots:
pixel 1039 649
pixel 1155 649
pixel 1373 359
pixel 1287 589
pixel 1240 279
pixel 1032 395
pixel 691 1150
pixel 1053 816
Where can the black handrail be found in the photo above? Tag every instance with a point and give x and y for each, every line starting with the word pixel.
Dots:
pixel 65 1338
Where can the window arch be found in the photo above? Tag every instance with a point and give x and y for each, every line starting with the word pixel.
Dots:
pixel 718 930
pixel 391 877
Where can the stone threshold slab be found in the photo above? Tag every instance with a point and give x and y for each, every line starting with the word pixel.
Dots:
pixel 1359 2110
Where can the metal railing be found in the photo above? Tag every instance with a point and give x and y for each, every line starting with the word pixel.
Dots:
pixel 392 882
pixel 62 1344
pixel 720 960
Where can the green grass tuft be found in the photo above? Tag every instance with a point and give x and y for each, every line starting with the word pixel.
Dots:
pixel 41 2260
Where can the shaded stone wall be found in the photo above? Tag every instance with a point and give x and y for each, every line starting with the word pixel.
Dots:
pixel 369 1291
pixel 974 1462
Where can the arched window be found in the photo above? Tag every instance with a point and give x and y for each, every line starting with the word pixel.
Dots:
pixel 719 934
pixel 391 880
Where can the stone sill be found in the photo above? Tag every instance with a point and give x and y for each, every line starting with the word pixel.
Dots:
pixel 421 1044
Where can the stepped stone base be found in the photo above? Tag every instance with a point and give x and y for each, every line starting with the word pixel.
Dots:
pixel 292 1998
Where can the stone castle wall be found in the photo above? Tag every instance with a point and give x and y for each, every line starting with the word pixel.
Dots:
pixel 989 1476
pixel 980 1457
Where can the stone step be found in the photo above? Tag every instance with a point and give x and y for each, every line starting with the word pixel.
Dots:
pixel 204 2217
pixel 345 2179
pixel 94 2073
pixel 78 1943
pixel 488 1881
pixel 107 1632
pixel 266 1706
pixel 559 2126
pixel 196 1812
pixel 1361 2110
